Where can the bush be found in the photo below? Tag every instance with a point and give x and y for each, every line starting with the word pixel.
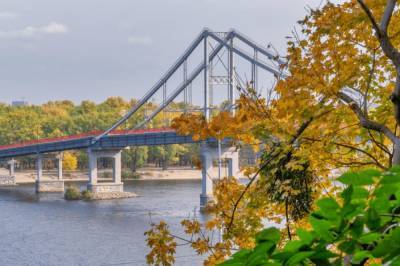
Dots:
pixel 361 226
pixel 72 193
pixel 129 174
pixel 86 195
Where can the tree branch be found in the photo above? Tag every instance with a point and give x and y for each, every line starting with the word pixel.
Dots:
pixel 381 31
pixel 387 15
pixel 272 156
pixel 366 123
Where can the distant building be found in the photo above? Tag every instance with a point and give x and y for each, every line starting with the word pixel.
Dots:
pixel 19 103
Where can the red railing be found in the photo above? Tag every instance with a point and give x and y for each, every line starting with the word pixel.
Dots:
pixel 84 135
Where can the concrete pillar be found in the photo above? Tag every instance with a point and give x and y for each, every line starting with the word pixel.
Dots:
pixel 60 166
pixel 233 163
pixel 46 185
pixel 39 167
pixel 92 167
pixel 104 187
pixel 11 164
pixel 206 181
pixel 117 168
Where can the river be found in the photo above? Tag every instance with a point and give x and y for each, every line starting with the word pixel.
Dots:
pixel 47 230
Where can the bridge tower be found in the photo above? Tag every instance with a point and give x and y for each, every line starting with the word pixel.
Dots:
pixel 209 152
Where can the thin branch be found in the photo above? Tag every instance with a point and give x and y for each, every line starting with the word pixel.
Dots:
pixel 387 15
pixel 381 33
pixel 273 156
pixel 366 123
pixel 356 149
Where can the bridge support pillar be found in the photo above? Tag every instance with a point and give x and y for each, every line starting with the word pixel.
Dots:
pixel 11 164
pixel 10 179
pixel 208 155
pixel 206 176
pixel 59 158
pixel 116 185
pixel 46 185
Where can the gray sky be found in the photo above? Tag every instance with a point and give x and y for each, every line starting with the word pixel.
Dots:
pixel 93 49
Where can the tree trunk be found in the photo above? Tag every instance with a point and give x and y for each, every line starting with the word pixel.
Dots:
pixel 396 102
pixel 396 98
pixel 396 153
pixel 134 161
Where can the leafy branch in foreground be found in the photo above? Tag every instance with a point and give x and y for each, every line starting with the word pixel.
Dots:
pixel 361 226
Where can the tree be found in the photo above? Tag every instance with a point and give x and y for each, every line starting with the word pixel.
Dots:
pixel 332 111
pixel 135 157
pixel 70 161
pixel 360 227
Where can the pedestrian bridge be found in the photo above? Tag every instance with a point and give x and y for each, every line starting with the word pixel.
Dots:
pixel 218 52
pixel 117 139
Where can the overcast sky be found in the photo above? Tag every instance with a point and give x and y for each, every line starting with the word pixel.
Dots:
pixel 92 49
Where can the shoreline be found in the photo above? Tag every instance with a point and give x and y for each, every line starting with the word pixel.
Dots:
pixel 29 176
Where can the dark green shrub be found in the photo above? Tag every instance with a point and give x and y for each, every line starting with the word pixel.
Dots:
pixel 129 174
pixel 72 193
pixel 86 195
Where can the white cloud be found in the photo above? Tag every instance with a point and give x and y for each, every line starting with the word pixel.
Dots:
pixel 29 32
pixel 141 40
pixel 54 28
pixel 8 15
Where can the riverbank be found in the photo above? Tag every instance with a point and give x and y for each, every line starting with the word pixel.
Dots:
pixel 29 176
pixel 148 173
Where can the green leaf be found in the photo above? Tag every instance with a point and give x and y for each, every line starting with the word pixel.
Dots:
pixel 360 256
pixel 347 195
pixel 260 253
pixel 391 179
pixel 357 226
pixel 242 254
pixel 362 178
pixel 299 257
pixel 360 193
pixel 369 238
pixel 269 234
pixel 347 246
pixel 305 236
pixel 349 211
pixel 373 219
pixel 328 208
pixel 322 255
pixel 321 227
pixel 294 246
pixel 395 261
pixel 382 249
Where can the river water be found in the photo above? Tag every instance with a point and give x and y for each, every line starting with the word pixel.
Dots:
pixel 47 230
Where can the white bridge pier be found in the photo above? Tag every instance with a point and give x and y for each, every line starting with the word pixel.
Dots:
pixel 208 155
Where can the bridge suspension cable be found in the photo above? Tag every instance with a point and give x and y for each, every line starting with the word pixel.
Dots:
pixel 226 42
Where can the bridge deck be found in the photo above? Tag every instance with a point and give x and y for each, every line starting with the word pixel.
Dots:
pixel 116 139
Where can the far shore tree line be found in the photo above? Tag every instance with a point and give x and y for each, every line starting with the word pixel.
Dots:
pixel 64 118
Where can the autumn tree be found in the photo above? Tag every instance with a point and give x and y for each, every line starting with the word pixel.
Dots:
pixel 70 161
pixel 334 108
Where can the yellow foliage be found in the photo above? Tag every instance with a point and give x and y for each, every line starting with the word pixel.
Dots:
pixel 70 162
pixel 162 245
pixel 307 118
